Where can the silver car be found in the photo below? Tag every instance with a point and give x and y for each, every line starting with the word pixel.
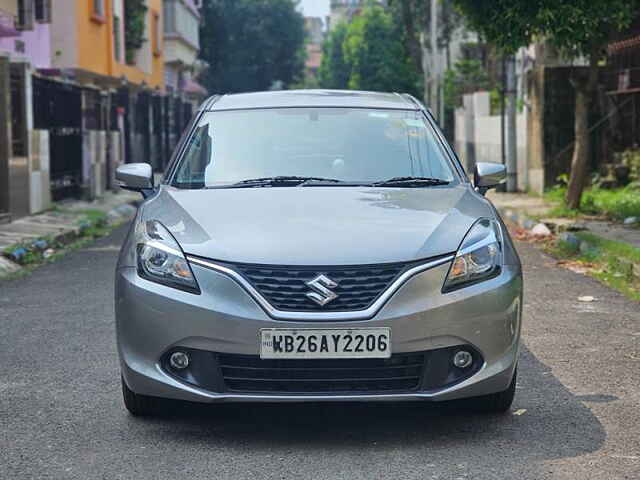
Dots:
pixel 316 246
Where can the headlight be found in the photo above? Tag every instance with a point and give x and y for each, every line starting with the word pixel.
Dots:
pixel 479 256
pixel 160 258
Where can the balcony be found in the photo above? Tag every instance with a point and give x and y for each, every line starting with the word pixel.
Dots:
pixel 181 32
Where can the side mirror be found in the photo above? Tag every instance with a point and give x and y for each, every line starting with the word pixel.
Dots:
pixel 135 176
pixel 488 175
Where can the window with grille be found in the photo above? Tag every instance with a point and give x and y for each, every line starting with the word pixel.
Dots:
pixel 24 21
pixel 43 11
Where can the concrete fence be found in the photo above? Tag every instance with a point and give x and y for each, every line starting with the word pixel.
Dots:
pixel 39 179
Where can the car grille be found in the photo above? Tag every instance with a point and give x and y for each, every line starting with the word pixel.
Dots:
pixel 246 373
pixel 285 288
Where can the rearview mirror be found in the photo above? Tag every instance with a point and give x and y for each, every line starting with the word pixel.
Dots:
pixel 135 176
pixel 488 175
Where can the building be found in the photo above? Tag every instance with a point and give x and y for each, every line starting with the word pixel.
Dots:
pixel 182 22
pixel 25 31
pixel 89 41
pixel 622 86
pixel 86 85
pixel 314 28
pixel 8 12
pixel 9 8
pixel 84 40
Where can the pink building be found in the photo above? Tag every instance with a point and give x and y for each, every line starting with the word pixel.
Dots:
pixel 25 31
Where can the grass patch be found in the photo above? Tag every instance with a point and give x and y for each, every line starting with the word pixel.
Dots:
pixel 618 283
pixel 609 261
pixel 93 225
pixel 563 212
pixel 611 247
pixel 616 204
pixel 36 260
pixel 93 216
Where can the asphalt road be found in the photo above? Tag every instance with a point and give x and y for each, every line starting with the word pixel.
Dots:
pixel 576 414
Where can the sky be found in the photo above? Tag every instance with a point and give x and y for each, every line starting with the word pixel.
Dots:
pixel 315 8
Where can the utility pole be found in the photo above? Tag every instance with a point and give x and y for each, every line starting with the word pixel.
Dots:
pixel 503 90
pixel 511 140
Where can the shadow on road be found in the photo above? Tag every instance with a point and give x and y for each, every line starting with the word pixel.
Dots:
pixel 551 423
pixel 61 407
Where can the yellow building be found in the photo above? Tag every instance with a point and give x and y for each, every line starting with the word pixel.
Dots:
pixel 88 37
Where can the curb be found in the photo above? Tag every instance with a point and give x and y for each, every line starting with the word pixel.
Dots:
pixel 548 229
pixel 10 263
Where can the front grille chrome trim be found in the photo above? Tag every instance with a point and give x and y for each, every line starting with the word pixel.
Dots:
pixel 365 314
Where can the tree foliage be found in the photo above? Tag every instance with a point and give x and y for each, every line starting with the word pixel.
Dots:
pixel 334 70
pixel 466 76
pixel 450 21
pixel 576 28
pixel 251 45
pixel 411 17
pixel 369 54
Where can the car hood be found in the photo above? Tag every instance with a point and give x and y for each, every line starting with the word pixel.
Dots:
pixel 318 225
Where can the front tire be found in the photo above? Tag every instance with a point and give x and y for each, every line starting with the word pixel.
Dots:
pixel 139 405
pixel 499 402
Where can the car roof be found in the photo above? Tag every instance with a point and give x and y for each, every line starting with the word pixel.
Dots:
pixel 311 98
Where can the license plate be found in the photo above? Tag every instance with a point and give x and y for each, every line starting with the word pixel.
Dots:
pixel 325 343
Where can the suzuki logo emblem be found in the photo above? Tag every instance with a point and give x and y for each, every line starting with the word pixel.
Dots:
pixel 321 293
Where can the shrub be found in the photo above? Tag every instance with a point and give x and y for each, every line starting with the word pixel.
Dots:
pixel 616 204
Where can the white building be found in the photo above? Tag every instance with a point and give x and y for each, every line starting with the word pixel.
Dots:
pixel 181 47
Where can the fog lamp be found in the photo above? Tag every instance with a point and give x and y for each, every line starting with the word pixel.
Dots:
pixel 179 360
pixel 462 359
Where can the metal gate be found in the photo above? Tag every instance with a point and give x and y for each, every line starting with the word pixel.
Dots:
pixel 57 107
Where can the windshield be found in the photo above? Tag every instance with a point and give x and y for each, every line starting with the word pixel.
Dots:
pixel 360 146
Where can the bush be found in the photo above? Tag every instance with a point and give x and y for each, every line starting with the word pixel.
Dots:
pixel 616 204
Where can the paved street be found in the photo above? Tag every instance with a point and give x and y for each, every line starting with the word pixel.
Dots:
pixel 575 415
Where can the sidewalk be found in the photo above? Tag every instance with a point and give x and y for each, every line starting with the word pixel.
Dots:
pixel 529 211
pixel 63 223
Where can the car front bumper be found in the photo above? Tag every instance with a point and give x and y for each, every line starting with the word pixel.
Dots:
pixel 153 319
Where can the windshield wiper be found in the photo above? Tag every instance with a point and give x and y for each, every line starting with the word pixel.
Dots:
pixel 282 180
pixel 411 182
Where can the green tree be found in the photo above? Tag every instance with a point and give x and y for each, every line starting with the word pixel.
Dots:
pixel 449 22
pixel 251 45
pixel 467 76
pixel 411 17
pixel 576 27
pixel 334 70
pixel 374 50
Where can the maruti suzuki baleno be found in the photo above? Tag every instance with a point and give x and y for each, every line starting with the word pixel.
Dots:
pixel 316 246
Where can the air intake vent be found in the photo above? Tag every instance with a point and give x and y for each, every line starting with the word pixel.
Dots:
pixel 246 373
